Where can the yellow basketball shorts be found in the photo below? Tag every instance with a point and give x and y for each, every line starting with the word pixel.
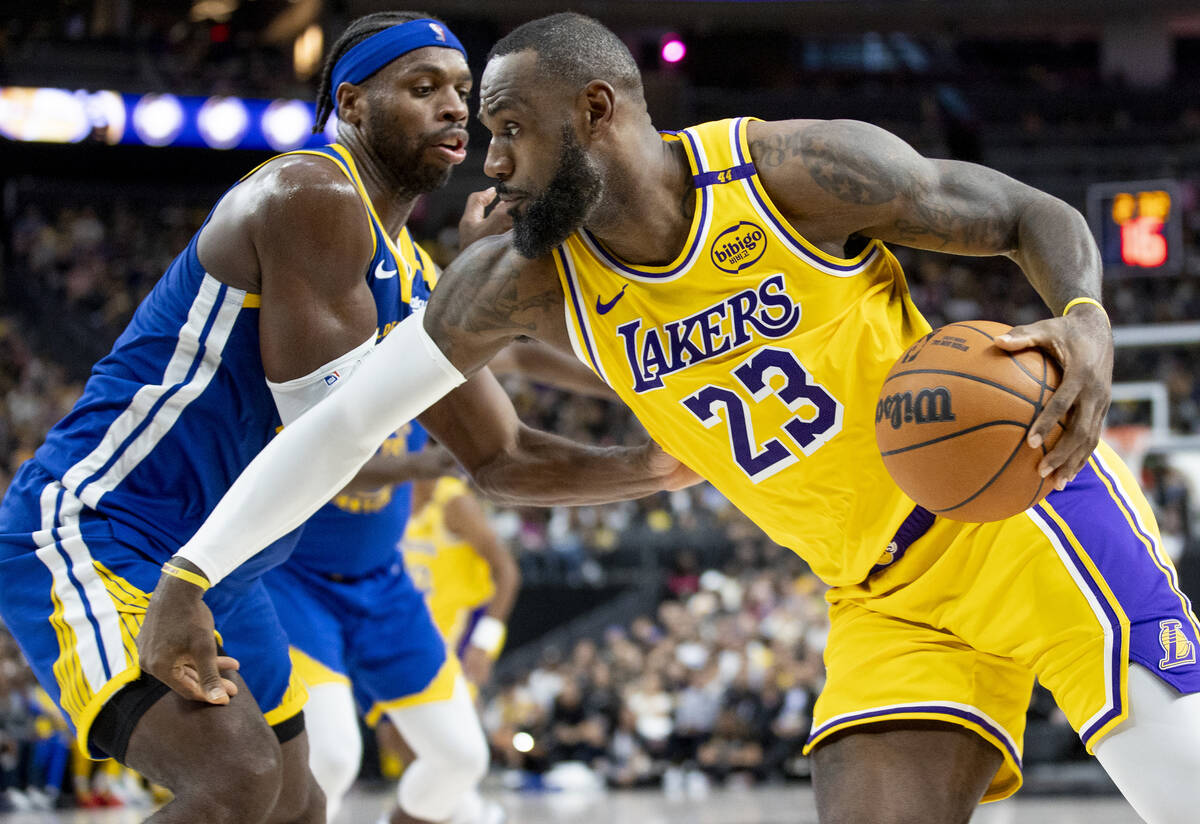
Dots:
pixel 958 626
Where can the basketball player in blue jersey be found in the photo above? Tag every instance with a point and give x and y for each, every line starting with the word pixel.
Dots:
pixel 278 298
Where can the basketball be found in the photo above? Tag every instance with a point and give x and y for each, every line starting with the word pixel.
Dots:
pixel 952 419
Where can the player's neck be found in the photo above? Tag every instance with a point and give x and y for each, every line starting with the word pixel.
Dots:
pixel 649 201
pixel 392 203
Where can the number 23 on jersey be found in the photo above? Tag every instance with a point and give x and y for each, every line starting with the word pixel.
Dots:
pixel 818 414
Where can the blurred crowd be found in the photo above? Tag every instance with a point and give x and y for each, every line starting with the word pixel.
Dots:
pixel 716 687
pixel 155 49
pixel 41 768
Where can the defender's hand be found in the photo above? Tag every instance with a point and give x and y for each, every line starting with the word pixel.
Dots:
pixel 484 215
pixel 477 665
pixel 177 644
pixel 1082 343
pixel 672 472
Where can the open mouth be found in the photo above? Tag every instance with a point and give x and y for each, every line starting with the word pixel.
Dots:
pixel 453 148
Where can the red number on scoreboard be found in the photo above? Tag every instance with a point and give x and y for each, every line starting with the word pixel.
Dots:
pixel 1142 243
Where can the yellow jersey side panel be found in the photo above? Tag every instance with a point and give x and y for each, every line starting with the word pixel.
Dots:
pixel 756 358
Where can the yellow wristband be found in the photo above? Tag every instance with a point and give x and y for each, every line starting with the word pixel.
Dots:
pixel 1078 301
pixel 185 575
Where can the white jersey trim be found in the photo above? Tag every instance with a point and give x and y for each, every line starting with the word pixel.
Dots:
pixel 142 411
pixel 90 593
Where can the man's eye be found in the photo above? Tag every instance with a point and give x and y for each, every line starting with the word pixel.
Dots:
pixel 510 130
pixel 464 93
pixel 423 91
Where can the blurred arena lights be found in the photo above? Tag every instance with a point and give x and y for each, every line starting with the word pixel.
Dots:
pixel 60 116
pixel 286 124
pixel 158 119
pixel 672 48
pixel 223 122
pixel 523 742
pixel 48 115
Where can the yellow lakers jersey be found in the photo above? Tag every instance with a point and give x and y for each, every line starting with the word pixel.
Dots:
pixel 453 576
pixel 755 358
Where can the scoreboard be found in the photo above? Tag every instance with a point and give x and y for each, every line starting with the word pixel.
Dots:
pixel 1138 226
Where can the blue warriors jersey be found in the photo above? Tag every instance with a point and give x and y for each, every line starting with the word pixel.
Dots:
pixel 358 532
pixel 180 406
pixel 756 358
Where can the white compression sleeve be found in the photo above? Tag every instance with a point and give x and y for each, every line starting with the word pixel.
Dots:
pixel 309 461
pixel 295 397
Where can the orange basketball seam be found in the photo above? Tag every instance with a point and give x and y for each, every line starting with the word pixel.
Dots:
pixel 952 435
pixel 965 375
pixel 966 326
pixel 990 480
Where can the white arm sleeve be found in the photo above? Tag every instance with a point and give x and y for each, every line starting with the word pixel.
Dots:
pixel 311 459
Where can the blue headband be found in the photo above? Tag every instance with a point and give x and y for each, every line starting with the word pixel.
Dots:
pixel 372 54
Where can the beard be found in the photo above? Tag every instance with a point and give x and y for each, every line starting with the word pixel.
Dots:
pixel 402 156
pixel 548 219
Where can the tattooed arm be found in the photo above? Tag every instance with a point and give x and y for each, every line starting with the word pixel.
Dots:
pixel 832 179
pixel 484 299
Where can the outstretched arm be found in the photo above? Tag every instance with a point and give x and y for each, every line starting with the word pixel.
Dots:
pixel 479 306
pixel 836 178
pixel 514 463
pixel 541 363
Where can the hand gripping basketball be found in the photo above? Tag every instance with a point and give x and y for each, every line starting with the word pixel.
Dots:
pixel 953 419
pixel 1082 342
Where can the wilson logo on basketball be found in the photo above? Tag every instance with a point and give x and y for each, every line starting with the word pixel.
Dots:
pixel 738 247
pixel 928 406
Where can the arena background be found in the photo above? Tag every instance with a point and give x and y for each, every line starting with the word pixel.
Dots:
pixel 122 120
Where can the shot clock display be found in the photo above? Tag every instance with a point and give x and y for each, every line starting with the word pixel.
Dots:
pixel 1138 226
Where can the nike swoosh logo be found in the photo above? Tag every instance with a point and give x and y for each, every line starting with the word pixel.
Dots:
pixel 383 273
pixel 605 308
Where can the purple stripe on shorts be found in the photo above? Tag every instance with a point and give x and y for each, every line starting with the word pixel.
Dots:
pixel 1147 593
pixel 1040 514
pixel 940 709
pixel 1125 563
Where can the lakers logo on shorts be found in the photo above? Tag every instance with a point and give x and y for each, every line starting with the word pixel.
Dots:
pixel 889 554
pixel 1177 649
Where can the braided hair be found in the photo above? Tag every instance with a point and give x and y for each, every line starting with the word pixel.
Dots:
pixel 355 33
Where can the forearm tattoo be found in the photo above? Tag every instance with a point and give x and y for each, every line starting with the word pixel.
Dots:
pixel 495 303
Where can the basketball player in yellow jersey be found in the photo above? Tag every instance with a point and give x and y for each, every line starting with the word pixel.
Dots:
pixel 469 578
pixel 731 283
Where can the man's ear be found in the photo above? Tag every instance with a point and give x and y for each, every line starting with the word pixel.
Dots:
pixel 351 103
pixel 599 103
